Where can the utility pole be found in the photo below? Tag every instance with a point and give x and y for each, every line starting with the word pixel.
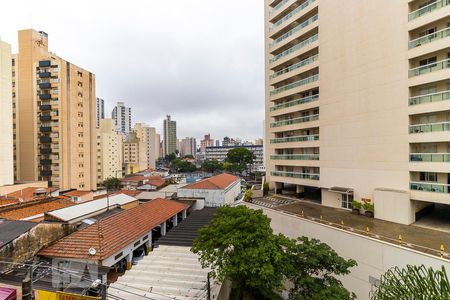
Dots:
pixel 27 286
pixel 208 288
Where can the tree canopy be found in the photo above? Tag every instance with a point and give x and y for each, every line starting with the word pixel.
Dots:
pixel 180 165
pixel 240 245
pixel 240 158
pixel 212 166
pixel 111 183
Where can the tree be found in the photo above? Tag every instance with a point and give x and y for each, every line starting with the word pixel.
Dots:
pixel 311 267
pixel 189 156
pixel 211 166
pixel 239 244
pixel 265 188
pixel 170 157
pixel 412 282
pixel 232 167
pixel 242 157
pixel 248 195
pixel 111 183
pixel 179 165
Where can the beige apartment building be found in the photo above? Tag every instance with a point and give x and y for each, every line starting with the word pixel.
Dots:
pixel 55 117
pixel 134 154
pixel 6 113
pixel 147 135
pixel 357 102
pixel 110 150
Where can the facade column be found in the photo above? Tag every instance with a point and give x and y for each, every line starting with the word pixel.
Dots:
pixel 129 259
pixel 184 214
pixel 175 220
pixel 163 229
pixel 148 245
pixel 300 190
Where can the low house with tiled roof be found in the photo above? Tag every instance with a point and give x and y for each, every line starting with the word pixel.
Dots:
pixel 33 210
pixel 216 191
pixel 112 240
pixel 80 196
pixel 142 182
pixel 29 194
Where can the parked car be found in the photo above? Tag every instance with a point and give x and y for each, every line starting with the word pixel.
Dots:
pixel 138 255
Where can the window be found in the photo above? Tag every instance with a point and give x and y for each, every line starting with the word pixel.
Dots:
pixel 428 176
pixel 346 201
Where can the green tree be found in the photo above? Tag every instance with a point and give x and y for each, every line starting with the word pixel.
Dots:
pixel 242 157
pixel 189 156
pixel 412 282
pixel 265 188
pixel 170 157
pixel 179 165
pixel 311 267
pixel 211 166
pixel 111 184
pixel 232 167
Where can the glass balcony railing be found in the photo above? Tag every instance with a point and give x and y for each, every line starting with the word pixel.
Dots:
pixel 295 157
pixel 429 38
pixel 309 176
pixel 430 187
pixel 304 138
pixel 296 47
pixel 295 102
pixel 431 127
pixel 278 6
pixel 435 97
pixel 296 66
pixel 440 65
pixel 295 121
pixel 294 30
pixel 295 84
pixel 427 9
pixel 291 14
pixel 429 157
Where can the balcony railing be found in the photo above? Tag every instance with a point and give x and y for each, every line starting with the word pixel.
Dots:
pixel 435 97
pixel 294 30
pixel 309 176
pixel 432 67
pixel 431 127
pixel 295 157
pixel 295 121
pixel 277 7
pixel 427 9
pixel 295 84
pixel 291 14
pixel 44 74
pixel 300 64
pixel 429 157
pixel 429 38
pixel 296 47
pixel 295 102
pixel 430 187
pixel 303 138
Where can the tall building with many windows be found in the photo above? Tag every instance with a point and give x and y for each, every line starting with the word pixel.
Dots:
pixel 170 136
pixel 147 135
pixel 55 134
pixel 100 111
pixel 188 146
pixel 110 151
pixel 122 117
pixel 6 116
pixel 357 102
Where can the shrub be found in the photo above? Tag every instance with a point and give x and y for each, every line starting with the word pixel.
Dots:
pixel 368 207
pixel 356 204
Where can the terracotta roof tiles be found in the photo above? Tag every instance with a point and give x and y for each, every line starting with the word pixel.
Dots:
pixel 218 182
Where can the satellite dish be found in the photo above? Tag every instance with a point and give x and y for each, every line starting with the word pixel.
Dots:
pixel 92 251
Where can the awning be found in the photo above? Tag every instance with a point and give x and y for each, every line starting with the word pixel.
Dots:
pixel 8 294
pixel 341 190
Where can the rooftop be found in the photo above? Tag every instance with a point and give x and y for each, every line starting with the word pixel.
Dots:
pixel 111 234
pixel 76 193
pixel 35 209
pixel 10 230
pixel 29 193
pixel 218 182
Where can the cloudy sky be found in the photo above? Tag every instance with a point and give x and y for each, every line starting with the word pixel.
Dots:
pixel 200 61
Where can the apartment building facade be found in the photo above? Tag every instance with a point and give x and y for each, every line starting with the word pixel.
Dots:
pixel 134 154
pixel 100 111
pixel 122 117
pixel 188 146
pixel 147 135
pixel 6 116
pixel 170 136
pixel 219 153
pixel 356 102
pixel 55 104
pixel 110 151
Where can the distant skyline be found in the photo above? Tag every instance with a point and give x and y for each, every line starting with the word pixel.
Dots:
pixel 201 62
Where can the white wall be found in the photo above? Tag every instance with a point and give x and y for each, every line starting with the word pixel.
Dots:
pixel 374 257
pixel 213 198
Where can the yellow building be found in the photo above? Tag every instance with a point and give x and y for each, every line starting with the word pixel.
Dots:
pixel 6 113
pixel 357 102
pixel 110 153
pixel 134 154
pixel 55 117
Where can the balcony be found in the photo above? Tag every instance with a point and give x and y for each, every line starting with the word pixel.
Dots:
pixel 45 118
pixel 46 151
pixel 295 157
pixel 295 84
pixel 45 129
pixel 278 6
pixel 296 66
pixel 45 85
pixel 435 97
pixel 304 138
pixel 429 38
pixel 295 102
pixel 291 14
pixel 433 67
pixel 296 175
pixel 46 173
pixel 45 139
pixel 428 9
pixel 46 162
pixel 45 63
pixel 429 157
pixel 430 187
pixel 431 127
pixel 44 75
pixel 45 96
pixel 296 47
pixel 295 121
pixel 294 30
pixel 45 107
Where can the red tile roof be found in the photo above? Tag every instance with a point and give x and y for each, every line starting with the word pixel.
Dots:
pixel 133 179
pixel 28 194
pixel 76 193
pixel 112 234
pixel 218 182
pixel 35 209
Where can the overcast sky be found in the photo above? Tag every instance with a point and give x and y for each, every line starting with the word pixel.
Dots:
pixel 201 61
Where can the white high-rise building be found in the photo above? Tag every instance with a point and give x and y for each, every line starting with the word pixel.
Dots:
pixel 122 117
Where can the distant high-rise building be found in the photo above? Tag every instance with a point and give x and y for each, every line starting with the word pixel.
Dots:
pixel 188 146
pixel 55 117
pixel 217 143
pixel 227 141
pixel 159 152
pixel 206 142
pixel 110 150
pixel 100 112
pixel 122 117
pixel 6 116
pixel 170 136
pixel 258 141
pixel 147 135
pixel 134 154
